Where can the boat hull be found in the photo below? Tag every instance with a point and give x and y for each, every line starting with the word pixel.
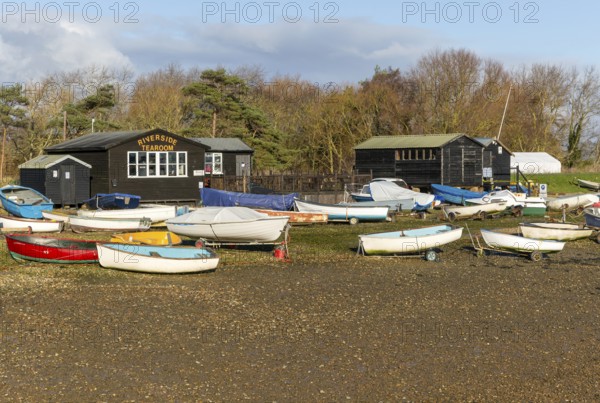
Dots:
pixel 24 202
pixel 156 259
pixel 113 201
pixel 457 212
pixel 51 250
pixel 267 229
pixel 153 212
pixel 515 243
pixel 156 238
pixel 392 205
pixel 336 212
pixel 17 223
pixel 592 217
pixel 295 217
pixel 409 241
pixel 572 202
pixel 86 224
pixel 588 184
pixel 556 232
pixel 455 195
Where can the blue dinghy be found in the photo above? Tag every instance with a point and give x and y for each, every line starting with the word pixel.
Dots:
pixel 455 195
pixel 106 201
pixel 24 202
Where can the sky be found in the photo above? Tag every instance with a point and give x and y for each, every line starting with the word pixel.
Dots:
pixel 320 41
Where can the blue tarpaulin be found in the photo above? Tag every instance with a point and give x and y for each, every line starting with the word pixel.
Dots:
pixel 214 197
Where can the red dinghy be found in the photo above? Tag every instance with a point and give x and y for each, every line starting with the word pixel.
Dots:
pixel 51 250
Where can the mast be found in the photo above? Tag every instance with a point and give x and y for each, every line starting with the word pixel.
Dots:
pixel 504 113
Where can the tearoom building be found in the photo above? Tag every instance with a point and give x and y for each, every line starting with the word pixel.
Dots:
pixel 155 164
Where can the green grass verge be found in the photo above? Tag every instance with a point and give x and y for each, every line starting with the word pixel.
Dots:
pixel 564 182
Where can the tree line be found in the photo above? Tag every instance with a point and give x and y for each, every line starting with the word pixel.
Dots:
pixel 297 125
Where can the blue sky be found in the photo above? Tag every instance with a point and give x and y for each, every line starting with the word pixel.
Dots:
pixel 321 41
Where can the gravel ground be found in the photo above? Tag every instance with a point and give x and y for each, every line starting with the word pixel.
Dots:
pixel 321 328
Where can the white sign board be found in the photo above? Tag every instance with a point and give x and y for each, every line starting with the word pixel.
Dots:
pixel 199 172
pixel 543 190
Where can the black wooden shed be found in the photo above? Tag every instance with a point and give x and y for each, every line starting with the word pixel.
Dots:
pixel 63 178
pixel 421 160
pixel 496 163
pixel 227 156
pixel 155 164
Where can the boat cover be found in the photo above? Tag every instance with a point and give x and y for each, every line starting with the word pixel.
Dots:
pixel 214 215
pixel 214 197
pixel 453 192
pixel 390 191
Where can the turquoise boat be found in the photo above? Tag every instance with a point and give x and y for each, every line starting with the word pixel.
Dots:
pixel 24 202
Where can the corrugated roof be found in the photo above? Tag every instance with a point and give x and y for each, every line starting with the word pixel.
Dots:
pixel 408 141
pixel 223 143
pixel 46 161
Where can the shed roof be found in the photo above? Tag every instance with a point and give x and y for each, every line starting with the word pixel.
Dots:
pixel 485 141
pixel 408 141
pixel 223 143
pixel 46 161
pixel 103 141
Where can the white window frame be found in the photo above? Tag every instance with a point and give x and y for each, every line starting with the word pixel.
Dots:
pixel 211 164
pixel 159 169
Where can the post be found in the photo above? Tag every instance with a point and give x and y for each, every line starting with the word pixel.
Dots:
pixel 243 165
pixel 65 125
pixel 2 159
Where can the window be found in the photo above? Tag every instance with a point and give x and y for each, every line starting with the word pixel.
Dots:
pixel 213 163
pixel 141 164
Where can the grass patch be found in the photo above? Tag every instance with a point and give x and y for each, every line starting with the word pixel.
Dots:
pixel 564 183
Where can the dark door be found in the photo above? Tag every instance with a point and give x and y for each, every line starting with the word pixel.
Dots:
pixel 67 184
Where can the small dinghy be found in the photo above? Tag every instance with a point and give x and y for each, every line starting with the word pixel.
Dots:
pixel 554 231
pixel 572 202
pixel 156 238
pixel 517 244
pixel 24 202
pixel 25 224
pixel 156 259
pixel 409 242
pixel 47 249
pixel 337 212
pixel 477 210
pixel 88 224
pixel 113 201
pixel 588 184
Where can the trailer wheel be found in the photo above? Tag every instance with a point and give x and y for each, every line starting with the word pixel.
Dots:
pixel 431 256
pixel 536 256
pixel 353 221
pixel 451 216
pixel 517 211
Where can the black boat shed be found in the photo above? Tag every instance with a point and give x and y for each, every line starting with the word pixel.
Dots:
pixel 155 164
pixel 227 156
pixel 496 163
pixel 421 160
pixel 62 178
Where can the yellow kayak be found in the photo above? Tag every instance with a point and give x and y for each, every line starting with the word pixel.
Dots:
pixel 157 238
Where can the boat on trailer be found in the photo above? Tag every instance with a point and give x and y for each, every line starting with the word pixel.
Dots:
pixel 555 231
pixel 476 210
pixel 229 224
pixel 351 214
pixel 572 202
pixel 534 248
pixel 455 195
pixel 409 242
